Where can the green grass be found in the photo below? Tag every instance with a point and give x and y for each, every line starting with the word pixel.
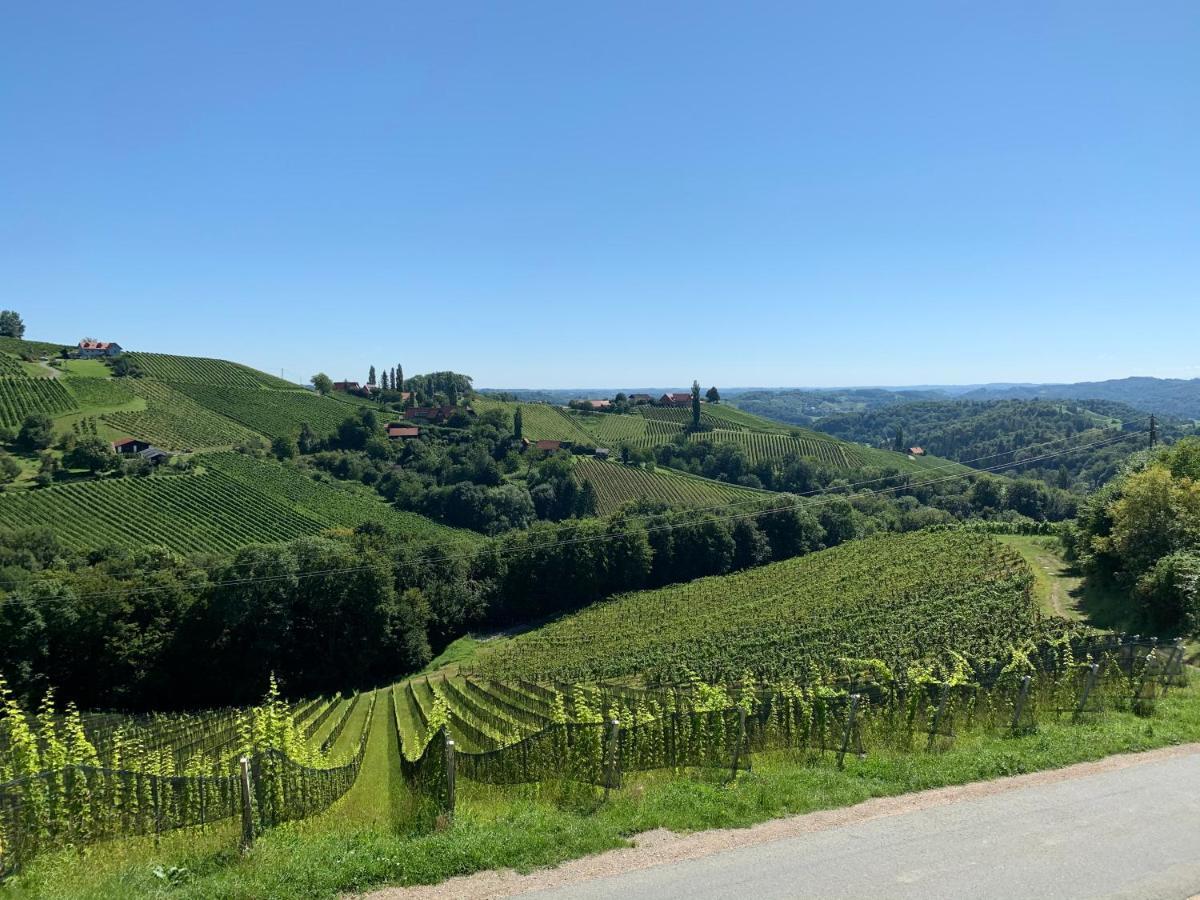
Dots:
pixel 366 841
pixel 85 368
pixel 617 484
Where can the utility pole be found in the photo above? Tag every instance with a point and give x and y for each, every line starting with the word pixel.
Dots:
pixel 1153 431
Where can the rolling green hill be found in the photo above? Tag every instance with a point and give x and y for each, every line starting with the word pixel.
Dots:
pixel 200 370
pixel 898 598
pixel 651 426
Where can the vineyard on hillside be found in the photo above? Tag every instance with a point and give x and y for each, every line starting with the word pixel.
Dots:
pixel 174 421
pixel 899 598
pixel 275 413
pixel 759 445
pixel 333 503
pixel 617 484
pixel 10 366
pixel 261 502
pixel 199 370
pixel 682 418
pixel 98 392
pixel 20 396
pixel 540 421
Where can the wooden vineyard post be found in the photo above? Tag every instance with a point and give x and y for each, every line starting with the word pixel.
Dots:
pixel 451 765
pixel 156 800
pixel 610 764
pixel 741 739
pixel 1020 707
pixel 1081 708
pixel 850 717
pixel 1174 665
pixel 937 716
pixel 247 808
pixel 1143 697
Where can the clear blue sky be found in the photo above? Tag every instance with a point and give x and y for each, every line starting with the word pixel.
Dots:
pixel 568 194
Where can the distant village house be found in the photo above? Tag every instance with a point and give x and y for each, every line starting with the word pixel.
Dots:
pixel 684 399
pixel 916 451
pixel 640 398
pixel 551 446
pixel 399 431
pixel 97 349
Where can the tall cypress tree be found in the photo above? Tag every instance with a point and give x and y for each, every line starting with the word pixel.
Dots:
pixel 695 406
pixel 399 375
pixel 371 376
pixel 517 424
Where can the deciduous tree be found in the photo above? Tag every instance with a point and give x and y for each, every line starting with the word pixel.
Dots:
pixel 11 324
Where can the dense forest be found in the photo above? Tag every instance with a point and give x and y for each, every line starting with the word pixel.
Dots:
pixel 988 433
pixel 1176 397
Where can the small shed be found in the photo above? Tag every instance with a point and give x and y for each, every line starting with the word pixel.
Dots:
pixel 129 446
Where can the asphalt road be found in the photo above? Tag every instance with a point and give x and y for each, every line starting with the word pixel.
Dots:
pixel 1129 833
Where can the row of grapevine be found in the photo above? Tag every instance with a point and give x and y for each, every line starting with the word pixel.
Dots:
pixel 682 416
pixel 759 445
pixel 903 599
pixel 614 730
pixel 176 422
pixel 20 396
pixel 330 502
pixel 65 779
pixel 11 366
pixel 185 513
pixel 98 392
pixel 200 370
pixel 617 484
pixel 274 413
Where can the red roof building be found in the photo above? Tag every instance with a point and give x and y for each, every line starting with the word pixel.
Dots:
pixel 551 446
pixel 403 431
pixel 675 400
pixel 92 349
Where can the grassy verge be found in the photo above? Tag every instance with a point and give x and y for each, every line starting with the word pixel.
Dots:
pixel 1056 587
pixel 365 841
